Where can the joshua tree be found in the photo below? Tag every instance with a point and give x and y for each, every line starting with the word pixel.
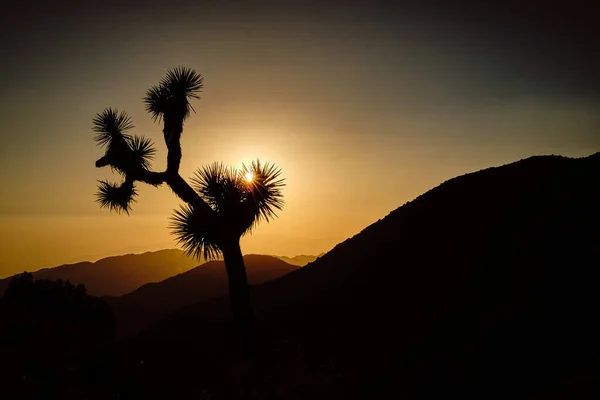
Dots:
pixel 221 204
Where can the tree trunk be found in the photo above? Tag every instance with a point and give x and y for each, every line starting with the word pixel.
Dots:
pixel 172 133
pixel 239 297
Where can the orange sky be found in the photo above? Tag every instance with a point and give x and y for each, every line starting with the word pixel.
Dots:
pixel 361 116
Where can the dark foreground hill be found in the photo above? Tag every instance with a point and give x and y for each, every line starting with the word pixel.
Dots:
pixel 149 303
pixel 115 276
pixel 56 342
pixel 484 287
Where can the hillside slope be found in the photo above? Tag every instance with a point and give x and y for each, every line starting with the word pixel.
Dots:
pixel 485 286
pixel 147 304
pixel 118 275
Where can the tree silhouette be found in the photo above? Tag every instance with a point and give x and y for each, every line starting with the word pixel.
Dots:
pixel 222 203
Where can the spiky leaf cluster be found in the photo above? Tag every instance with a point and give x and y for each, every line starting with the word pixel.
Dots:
pixel 142 151
pixel 265 195
pixel 170 99
pixel 110 125
pixel 220 186
pixel 115 197
pixel 125 152
pixel 239 204
pixel 192 233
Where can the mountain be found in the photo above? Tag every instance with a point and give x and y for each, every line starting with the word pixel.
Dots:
pixel 147 304
pixel 300 260
pixel 115 276
pixel 483 287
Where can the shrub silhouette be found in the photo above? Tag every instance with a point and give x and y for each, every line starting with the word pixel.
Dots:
pixel 222 204
pixel 54 338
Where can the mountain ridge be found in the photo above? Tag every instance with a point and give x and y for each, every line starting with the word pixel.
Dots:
pixel 382 313
pixel 300 260
pixel 117 275
pixel 68 270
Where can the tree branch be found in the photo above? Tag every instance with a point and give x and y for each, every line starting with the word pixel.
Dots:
pixel 172 130
pixel 187 194
pixel 141 174
pixel 179 186
pixel 149 177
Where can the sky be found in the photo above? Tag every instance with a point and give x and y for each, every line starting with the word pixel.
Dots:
pixel 364 106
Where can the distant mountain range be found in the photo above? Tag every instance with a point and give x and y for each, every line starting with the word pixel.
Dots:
pixel 147 304
pixel 485 286
pixel 301 260
pixel 118 275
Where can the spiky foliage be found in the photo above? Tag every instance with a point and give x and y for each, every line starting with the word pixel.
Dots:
pixel 110 125
pixel 220 186
pixel 123 152
pixel 170 99
pixel 115 197
pixel 156 102
pixel 193 235
pixel 240 204
pixel 183 82
pixel 265 190
pixel 142 151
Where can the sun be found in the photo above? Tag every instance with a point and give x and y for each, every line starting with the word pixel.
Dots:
pixel 249 176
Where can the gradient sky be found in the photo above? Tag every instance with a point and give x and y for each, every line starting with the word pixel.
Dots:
pixel 363 105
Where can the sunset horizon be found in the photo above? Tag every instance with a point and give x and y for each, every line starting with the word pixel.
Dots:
pixel 354 107
pixel 400 199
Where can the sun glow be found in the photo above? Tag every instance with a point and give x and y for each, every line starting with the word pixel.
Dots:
pixel 249 176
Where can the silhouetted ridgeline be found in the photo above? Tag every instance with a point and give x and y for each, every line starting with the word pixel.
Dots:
pixel 300 260
pixel 115 276
pixel 485 286
pixel 149 303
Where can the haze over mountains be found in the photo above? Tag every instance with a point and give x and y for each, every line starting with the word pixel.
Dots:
pixel 485 286
pixel 118 275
